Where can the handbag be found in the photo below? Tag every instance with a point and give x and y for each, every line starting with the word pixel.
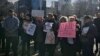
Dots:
pixel 50 38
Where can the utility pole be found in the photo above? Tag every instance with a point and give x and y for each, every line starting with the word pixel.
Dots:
pixel 44 8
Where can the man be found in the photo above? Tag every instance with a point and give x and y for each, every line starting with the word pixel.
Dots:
pixel 2 38
pixel 11 25
pixel 97 23
pixel 26 36
pixel 89 32
pixel 40 39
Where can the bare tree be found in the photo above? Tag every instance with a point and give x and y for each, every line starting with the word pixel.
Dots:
pixel 5 6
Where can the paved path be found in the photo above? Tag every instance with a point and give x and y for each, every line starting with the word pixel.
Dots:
pixel 57 52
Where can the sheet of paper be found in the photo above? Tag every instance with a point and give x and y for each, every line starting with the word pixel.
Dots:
pixel 48 26
pixel 31 29
pixel 67 30
pixel 85 30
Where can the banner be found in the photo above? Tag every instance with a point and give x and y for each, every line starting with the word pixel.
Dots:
pixel 67 30
pixel 62 30
pixel 38 13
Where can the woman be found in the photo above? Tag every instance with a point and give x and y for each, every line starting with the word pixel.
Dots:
pixel 78 43
pixel 49 26
pixel 89 32
pixel 25 35
pixel 67 44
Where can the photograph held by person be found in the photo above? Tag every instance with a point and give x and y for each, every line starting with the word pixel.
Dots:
pixel 89 32
pixel 11 25
pixel 97 23
pixel 49 28
pixel 25 35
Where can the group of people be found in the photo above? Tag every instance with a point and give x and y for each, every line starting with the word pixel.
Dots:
pixel 44 32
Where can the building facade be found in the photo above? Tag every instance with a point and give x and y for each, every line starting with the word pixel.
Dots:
pixel 28 5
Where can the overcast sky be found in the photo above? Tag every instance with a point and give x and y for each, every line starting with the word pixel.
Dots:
pixel 12 0
pixel 48 2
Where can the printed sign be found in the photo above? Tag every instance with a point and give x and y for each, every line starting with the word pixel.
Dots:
pixel 85 30
pixel 31 29
pixel 67 30
pixel 38 13
pixel 48 26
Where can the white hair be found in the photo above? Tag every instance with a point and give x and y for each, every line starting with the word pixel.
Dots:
pixel 66 18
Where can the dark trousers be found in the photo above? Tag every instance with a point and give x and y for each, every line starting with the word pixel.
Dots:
pixel 78 46
pixel 96 46
pixel 25 48
pixel 41 48
pixel 14 41
pixel 51 49
pixel 97 43
pixel 2 42
pixel 87 50
pixel 66 49
pixel 36 46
